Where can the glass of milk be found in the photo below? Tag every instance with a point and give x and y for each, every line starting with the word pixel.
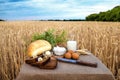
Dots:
pixel 72 45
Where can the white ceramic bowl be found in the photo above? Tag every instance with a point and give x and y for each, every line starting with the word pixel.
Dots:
pixel 59 50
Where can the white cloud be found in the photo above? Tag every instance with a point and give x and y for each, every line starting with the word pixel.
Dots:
pixel 45 9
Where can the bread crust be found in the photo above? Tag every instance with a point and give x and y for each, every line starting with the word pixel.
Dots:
pixel 38 47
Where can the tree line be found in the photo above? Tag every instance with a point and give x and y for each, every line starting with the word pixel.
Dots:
pixel 110 15
pixel 66 20
pixel 2 20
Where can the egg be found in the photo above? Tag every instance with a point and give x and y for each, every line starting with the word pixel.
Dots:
pixel 48 53
pixel 75 56
pixel 68 55
pixel 40 59
pixel 70 51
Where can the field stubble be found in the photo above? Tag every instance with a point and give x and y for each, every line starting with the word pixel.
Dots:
pixel 101 38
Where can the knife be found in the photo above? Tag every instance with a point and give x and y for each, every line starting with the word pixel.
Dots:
pixel 81 62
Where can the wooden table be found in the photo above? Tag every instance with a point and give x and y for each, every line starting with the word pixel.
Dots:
pixel 67 71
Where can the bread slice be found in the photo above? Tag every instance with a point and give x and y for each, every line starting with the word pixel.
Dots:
pixel 38 47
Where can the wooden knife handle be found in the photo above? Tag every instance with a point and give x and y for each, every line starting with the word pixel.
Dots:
pixel 86 63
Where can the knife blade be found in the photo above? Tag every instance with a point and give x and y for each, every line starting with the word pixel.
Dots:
pixel 80 62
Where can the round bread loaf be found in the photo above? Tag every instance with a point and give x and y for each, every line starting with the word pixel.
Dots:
pixel 38 47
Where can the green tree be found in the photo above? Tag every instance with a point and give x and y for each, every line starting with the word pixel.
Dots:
pixel 110 15
pixel 92 17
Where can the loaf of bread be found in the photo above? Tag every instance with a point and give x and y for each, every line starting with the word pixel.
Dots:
pixel 38 47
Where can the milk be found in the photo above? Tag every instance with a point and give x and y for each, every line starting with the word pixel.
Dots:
pixel 72 45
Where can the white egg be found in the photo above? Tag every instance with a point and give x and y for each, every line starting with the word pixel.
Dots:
pixel 40 59
pixel 48 53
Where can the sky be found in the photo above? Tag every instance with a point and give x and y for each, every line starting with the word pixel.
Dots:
pixel 53 9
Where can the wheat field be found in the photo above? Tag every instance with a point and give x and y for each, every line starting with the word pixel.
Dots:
pixel 101 38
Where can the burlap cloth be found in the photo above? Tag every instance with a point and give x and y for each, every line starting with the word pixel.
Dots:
pixel 67 71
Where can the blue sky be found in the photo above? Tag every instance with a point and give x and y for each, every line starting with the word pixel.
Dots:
pixel 52 9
